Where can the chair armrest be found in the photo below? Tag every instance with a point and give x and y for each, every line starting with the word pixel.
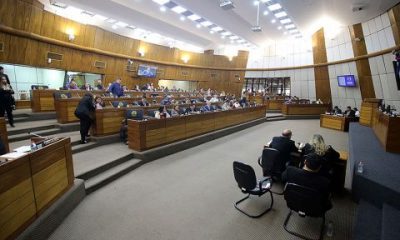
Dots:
pixel 259 160
pixel 263 180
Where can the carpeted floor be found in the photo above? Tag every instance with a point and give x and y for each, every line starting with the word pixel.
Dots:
pixel 190 195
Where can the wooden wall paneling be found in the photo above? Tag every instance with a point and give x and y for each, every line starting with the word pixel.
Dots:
pixel 394 16
pixel 6 40
pixel 35 23
pixel 7 12
pixel 363 69
pixel 22 15
pixel 322 83
pixel 17 49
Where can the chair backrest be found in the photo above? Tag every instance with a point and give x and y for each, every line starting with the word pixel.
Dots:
pixel 270 161
pixel 119 104
pixel 304 200
pixel 134 114
pixel 244 176
pixel 151 113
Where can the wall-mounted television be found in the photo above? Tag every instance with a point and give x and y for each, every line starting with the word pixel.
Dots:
pixel 147 71
pixel 346 81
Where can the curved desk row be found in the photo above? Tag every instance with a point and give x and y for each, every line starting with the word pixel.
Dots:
pixel 43 100
pixel 305 109
pixel 31 184
pixel 144 135
pixel 387 130
pixel 3 133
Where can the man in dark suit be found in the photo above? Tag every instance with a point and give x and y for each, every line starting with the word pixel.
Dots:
pixel 191 109
pixel 285 146
pixel 83 111
pixel 309 176
pixel 350 112
pixel 336 110
pixel 143 102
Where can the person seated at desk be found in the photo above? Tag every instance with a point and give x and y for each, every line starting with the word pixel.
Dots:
pixel 72 85
pixel 236 105
pixel 176 111
pixel 285 146
pixel 162 113
pixel 319 101
pixel 99 85
pixel 336 110
pixel 144 102
pixel 356 112
pixel 166 100
pixel 192 109
pixel 317 145
pixel 226 106
pixel 87 87
pixel 207 107
pixel 243 102
pixel 99 102
pixel 309 176
pixel 350 112
pixel 214 99
pixel 116 88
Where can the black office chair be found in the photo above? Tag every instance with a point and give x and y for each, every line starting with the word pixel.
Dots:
pixel 247 182
pixel 307 202
pixel 270 163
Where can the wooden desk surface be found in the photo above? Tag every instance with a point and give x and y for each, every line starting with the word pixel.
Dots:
pixel 31 184
pixel 340 123
pixel 4 133
pixel 304 109
pixel 387 130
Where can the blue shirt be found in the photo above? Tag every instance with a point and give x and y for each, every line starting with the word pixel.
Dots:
pixel 116 89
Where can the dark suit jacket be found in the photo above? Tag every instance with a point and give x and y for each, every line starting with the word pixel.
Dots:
pixel 328 158
pixel 350 113
pixel 85 106
pixel 308 179
pixel 285 146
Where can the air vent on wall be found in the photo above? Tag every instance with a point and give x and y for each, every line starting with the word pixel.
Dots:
pixel 213 75
pixel 100 64
pixel 55 56
pixel 185 73
pixel 131 68
pixel 1 47
pixel 237 75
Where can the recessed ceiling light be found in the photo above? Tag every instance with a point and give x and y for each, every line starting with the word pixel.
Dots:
pixel 111 20
pixel 211 32
pixel 216 29
pixel 290 26
pixel 264 1
pixel 226 33
pixel 131 27
pixel 241 41
pixel 280 27
pixel 234 37
pixel 161 2
pixel 280 14
pixel 198 25
pixel 284 33
pixel 87 13
pixel 163 9
pixel 182 18
pixel 274 7
pixel 121 24
pixel 256 2
pixel 206 23
pixel 265 13
pixel 194 17
pixel 179 9
pixel 114 26
pixel 223 36
pixel 294 31
pixel 273 21
pixel 286 20
pixel 60 5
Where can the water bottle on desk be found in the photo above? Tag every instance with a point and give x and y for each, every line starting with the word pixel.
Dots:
pixel 360 167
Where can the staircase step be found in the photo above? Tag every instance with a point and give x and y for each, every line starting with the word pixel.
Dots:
pixel 110 175
pixel 26 135
pixel 368 222
pixel 74 136
pixel 271 119
pixel 77 147
pixel 390 223
pixel 104 166
pixel 31 127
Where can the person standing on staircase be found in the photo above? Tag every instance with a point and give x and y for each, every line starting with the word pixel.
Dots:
pixel 6 100
pixel 84 111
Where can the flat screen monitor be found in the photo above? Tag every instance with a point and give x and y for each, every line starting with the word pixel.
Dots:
pixel 346 81
pixel 147 71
